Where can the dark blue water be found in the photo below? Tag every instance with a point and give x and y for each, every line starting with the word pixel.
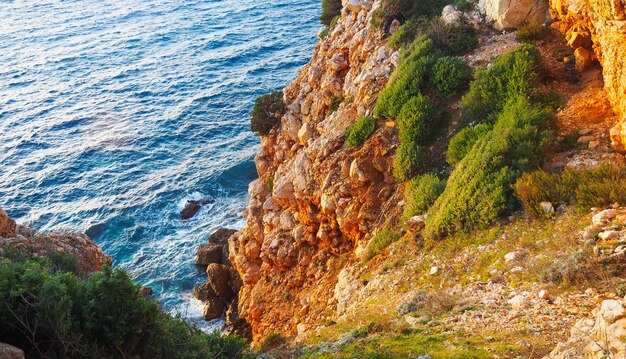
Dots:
pixel 114 113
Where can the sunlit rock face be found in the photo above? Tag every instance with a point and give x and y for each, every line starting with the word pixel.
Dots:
pixel 600 25
pixel 316 202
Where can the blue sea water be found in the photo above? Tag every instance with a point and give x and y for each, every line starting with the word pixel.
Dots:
pixel 114 113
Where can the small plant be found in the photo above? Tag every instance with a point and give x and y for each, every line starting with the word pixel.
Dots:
pixel 268 109
pixel 534 188
pixel 404 35
pixel 413 119
pixel 360 131
pixel 330 10
pixel 407 159
pixel 335 101
pixel 379 242
pixel 449 74
pixel 532 32
pixel 463 141
pixel 329 28
pixel 420 193
pixel 462 5
pixel 406 9
pixel 453 39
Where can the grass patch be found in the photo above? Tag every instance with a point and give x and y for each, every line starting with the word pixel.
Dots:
pixel 532 32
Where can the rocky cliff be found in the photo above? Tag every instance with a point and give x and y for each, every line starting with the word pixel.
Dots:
pixel 88 254
pixel 599 25
pixel 316 202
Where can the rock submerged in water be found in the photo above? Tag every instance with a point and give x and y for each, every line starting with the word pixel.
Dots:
pixel 192 207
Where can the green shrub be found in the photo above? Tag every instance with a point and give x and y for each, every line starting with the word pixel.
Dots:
pixel 335 101
pixel 380 241
pixel 479 189
pixel 404 35
pixel 413 119
pixel 463 141
pixel 56 314
pixel 453 39
pixel 511 75
pixel 420 193
pixel 532 32
pixel 407 9
pixel 267 112
pixel 407 80
pixel 329 28
pixel 449 74
pixel 462 5
pixel 360 131
pixel 407 159
pixel 330 10
pixel 596 187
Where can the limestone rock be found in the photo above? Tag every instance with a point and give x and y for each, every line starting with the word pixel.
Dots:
pixel 213 309
pixel 208 253
pixel 584 59
pixel 395 24
pixel 10 352
pixel 7 225
pixel 608 235
pixel 612 310
pixel 219 276
pixel 511 14
pixel 604 216
pixel 547 208
pixel 451 15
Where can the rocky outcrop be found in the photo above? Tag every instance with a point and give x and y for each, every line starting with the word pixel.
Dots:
pixel 597 338
pixel 600 26
pixel 7 225
pixel 511 14
pixel 89 255
pixel 10 352
pixel 316 202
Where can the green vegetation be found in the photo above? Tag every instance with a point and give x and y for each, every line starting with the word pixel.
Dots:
pixel 463 141
pixel 267 112
pixel 330 10
pixel 597 187
pixel 511 75
pixel 420 193
pixel 379 242
pixel 360 131
pixel 407 80
pixel 405 34
pixel 449 74
pixel 406 9
pixel 532 32
pixel 335 101
pixel 329 28
pixel 479 189
pixel 52 312
pixel 453 39
pixel 413 124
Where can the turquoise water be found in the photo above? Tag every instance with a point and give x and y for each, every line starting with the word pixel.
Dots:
pixel 114 113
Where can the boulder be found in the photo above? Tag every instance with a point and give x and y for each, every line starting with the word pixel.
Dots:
pixel 451 15
pixel 604 216
pixel 203 292
pixel 219 276
pixel 395 24
pixel 190 210
pixel 145 291
pixel 608 235
pixel 584 59
pixel 547 208
pixel 518 301
pixel 10 352
pixel 213 309
pixel 511 14
pixel 209 253
pixel 612 310
pixel 222 235
pixel 7 225
pixel 511 256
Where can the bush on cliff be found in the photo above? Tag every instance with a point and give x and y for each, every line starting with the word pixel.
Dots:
pixel 268 109
pixel 449 74
pixel 330 10
pixel 407 80
pixel 53 313
pixel 379 242
pixel 463 141
pixel 453 39
pixel 420 193
pixel 511 75
pixel 406 10
pixel 596 187
pixel 479 189
pixel 360 131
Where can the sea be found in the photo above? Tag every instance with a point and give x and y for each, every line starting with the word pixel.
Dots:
pixel 114 113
